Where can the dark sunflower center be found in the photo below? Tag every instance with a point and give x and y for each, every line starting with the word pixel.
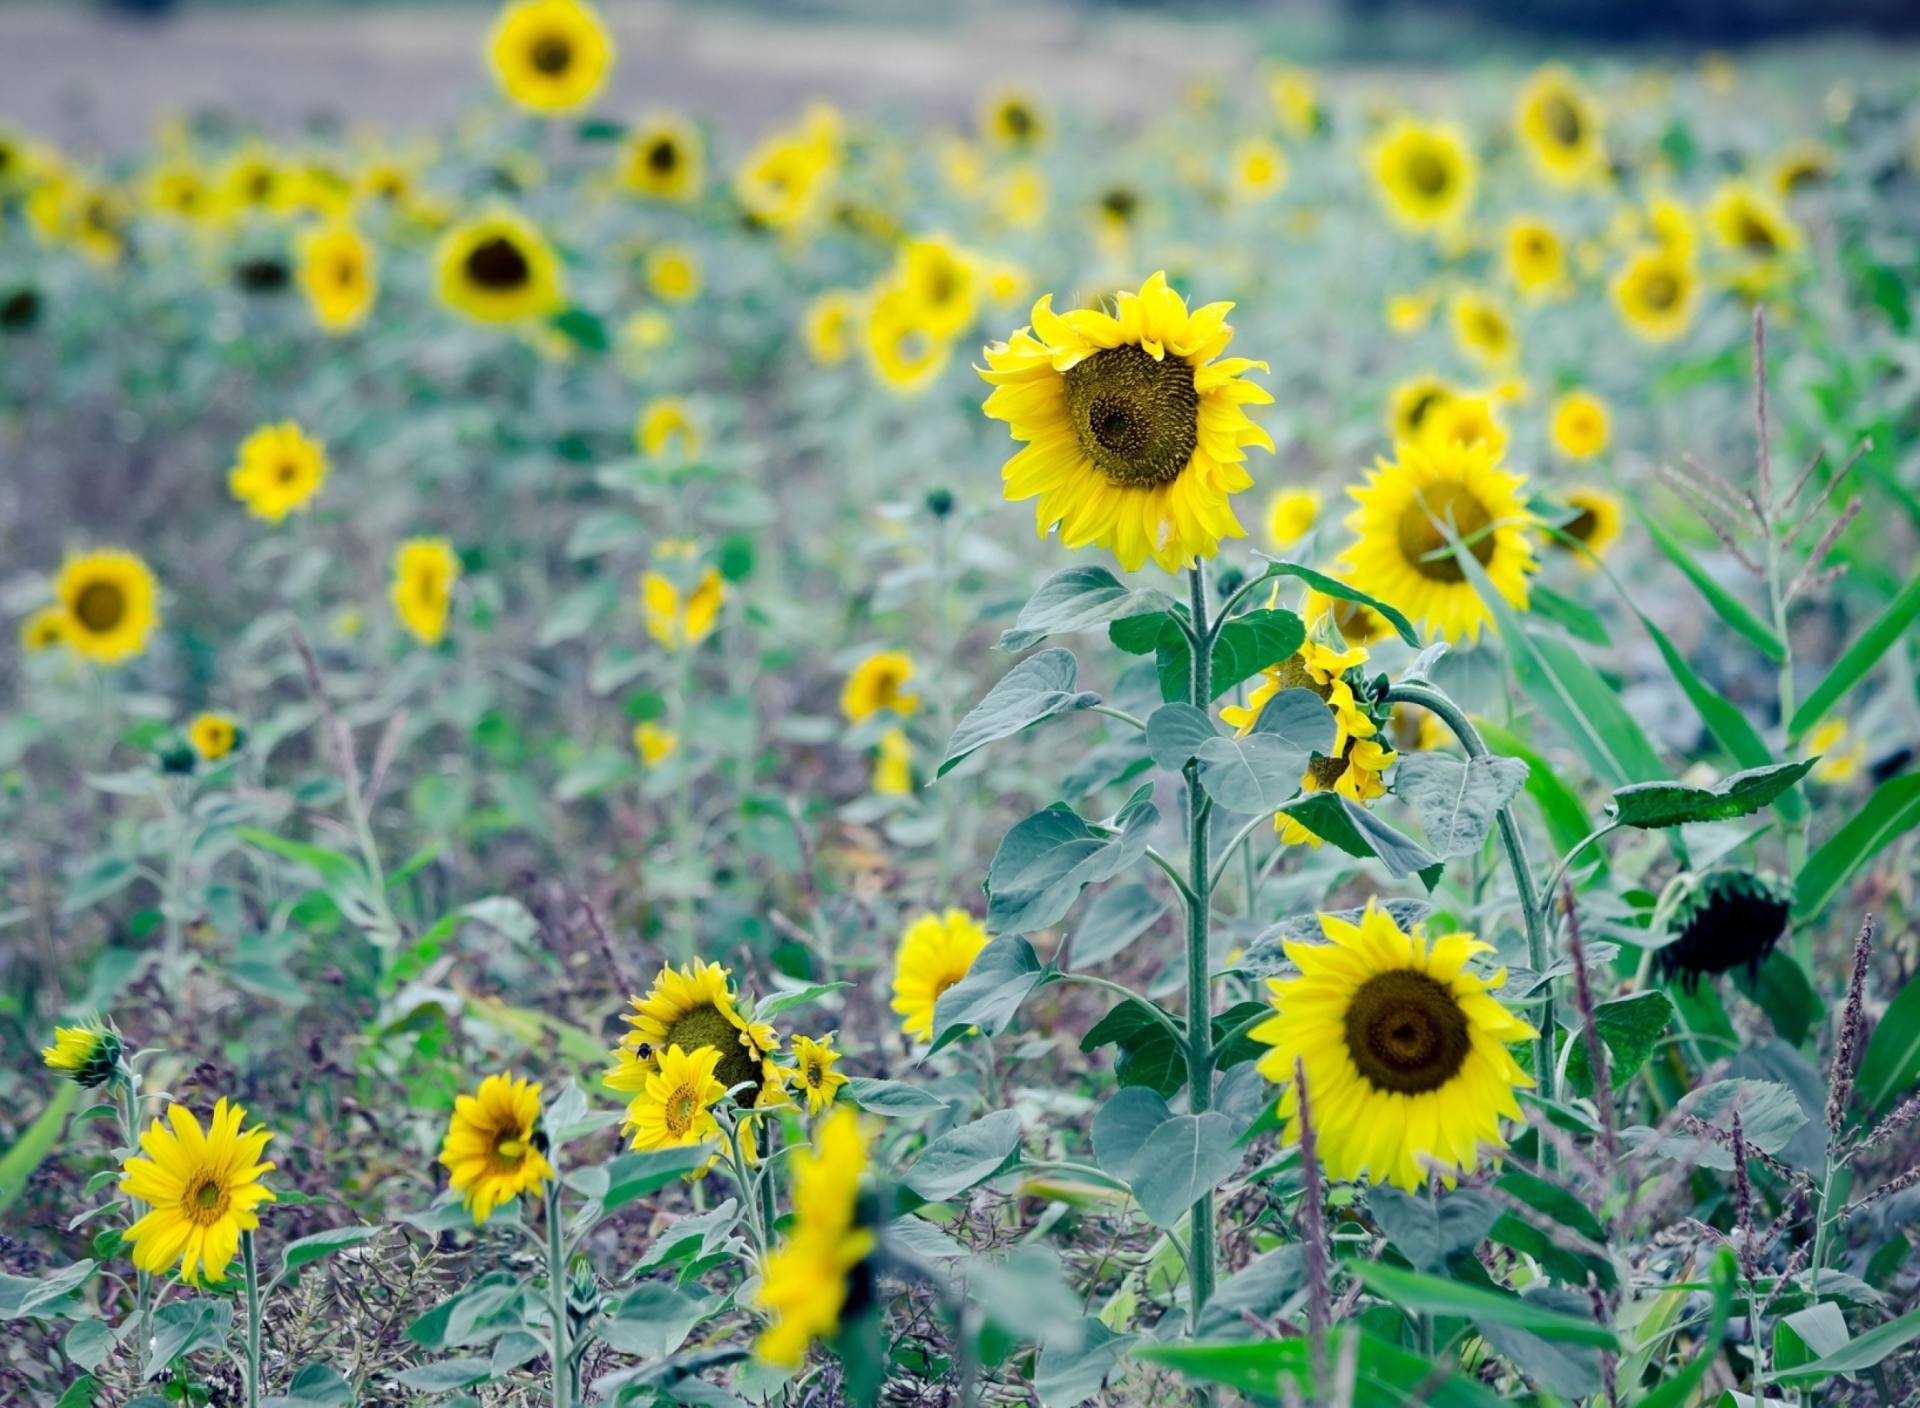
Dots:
pixel 1421 538
pixel 1292 673
pixel 1428 174
pixel 1423 406
pixel 206 1202
pixel 509 1149
pixel 1581 525
pixel 1562 120
pixel 1660 292
pixel 812 1073
pixel 663 157
pixel 498 264
pixel 288 471
pixel 100 606
pixel 1755 236
pixel 1327 771
pixel 1406 1032
pixel 1120 203
pixel 551 54
pixel 1017 120
pixel 706 1026
pixel 346 273
pixel 1137 416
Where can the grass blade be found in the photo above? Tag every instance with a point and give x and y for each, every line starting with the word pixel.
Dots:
pixel 1859 658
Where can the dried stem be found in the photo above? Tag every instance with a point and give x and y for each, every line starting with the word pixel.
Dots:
pixel 1590 1029
pixel 1852 1025
pixel 1743 1202
pixel 1811 572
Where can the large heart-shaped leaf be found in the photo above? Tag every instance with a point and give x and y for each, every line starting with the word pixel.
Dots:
pixel 1457 800
pixel 1039 687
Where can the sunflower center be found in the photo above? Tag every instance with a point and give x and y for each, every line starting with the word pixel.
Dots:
pixel 100 606
pixel 1424 546
pixel 1016 119
pixel 206 1202
pixel 812 1073
pixel 662 158
pixel 1406 1032
pixel 682 1106
pixel 1120 203
pixel 509 1149
pixel 1428 174
pixel 1581 525
pixel 1562 120
pixel 498 264
pixel 1137 415
pixel 1755 236
pixel 1327 771
pixel 288 471
pixel 346 274
pixel 1660 292
pixel 707 1025
pixel 551 54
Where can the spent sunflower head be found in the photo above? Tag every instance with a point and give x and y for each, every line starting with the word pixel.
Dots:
pixel 87 1053
pixel 492 1150
pixel 280 470
pixel 1404 1049
pixel 424 571
pixel 1722 920
pixel 1135 435
pixel 550 56
pixel 107 604
pixel 201 1188
pixel 936 951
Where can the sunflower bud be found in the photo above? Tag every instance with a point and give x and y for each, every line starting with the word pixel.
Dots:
pixel 88 1054
pixel 1724 919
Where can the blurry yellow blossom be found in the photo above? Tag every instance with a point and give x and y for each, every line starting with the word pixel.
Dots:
pixel 875 684
pixel 1021 198
pixel 893 764
pixel 1536 257
pixel 1581 425
pixel 1842 753
pixel 1466 420
pixel 254 182
pixel 498 268
pixel 107 602
pixel 279 471
pixel 1595 523
pixel 180 189
pixel 1802 164
pixel 664 157
pixel 1259 169
pixel 1011 118
pixel 1655 294
pixel 1408 313
pixel 783 182
pixel 666 422
pixel 1296 101
pixel 1426 173
pixel 42 629
pixel 938 279
pixel 1291 514
pixel 654 743
pixel 424 571
pixel 337 275
pixel 1483 328
pixel 830 325
pixel 905 354
pixel 550 56
pixel 1412 401
pixel 1558 123
pixel 213 736
pixel 676 622
pixel 673 273
pixel 1748 221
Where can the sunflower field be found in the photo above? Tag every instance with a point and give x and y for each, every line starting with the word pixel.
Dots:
pixel 565 841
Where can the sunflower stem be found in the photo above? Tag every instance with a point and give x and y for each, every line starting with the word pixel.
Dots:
pixel 143 1281
pixel 251 1268
pixel 560 1352
pixel 1200 1262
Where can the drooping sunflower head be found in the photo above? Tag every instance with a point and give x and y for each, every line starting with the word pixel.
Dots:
pixel 214 736
pixel 696 1009
pixel 337 275
pixel 1536 256
pixel 201 1188
pixel 1011 118
pixel 876 684
pixel 1656 293
pixel 1751 223
pixel 1594 522
pixel 1413 400
pixel 1259 169
pixel 1722 920
pixel 1135 435
pixel 813 1076
pixel 1467 420
pixel 107 604
pixel 830 325
pixel 491 1149
pixel 424 571
pixel 1404 1049
pixel 786 179
pixel 1426 173
pixel 664 157
pixel 1558 123
pixel 1483 329
pixel 936 951
pixel 818 1277
pixel 87 1054
pixel 280 470
pixel 550 56
pixel 1402 555
pixel 497 268
pixel 1581 425
pixel 1334 670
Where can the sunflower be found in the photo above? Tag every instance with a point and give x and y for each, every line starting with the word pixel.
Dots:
pixel 818 1276
pixel 938 279
pixel 1483 329
pixel 1010 118
pixel 43 629
pixel 654 743
pixel 213 736
pixel 491 1149
pixel 1581 425
pixel 1749 222
pixel 254 181
pixel 1467 420
pixel 1536 257
pixel 181 190
pixel 1656 292
pixel 666 422
pixel 904 354
pixel 87 1054
pixel 829 324
pixel 675 1104
pixel 893 764
pixel 1291 514
pixel 1020 198
pixel 875 684
pixel 337 275
pixel 1405 1051
pixel 107 604
pixel 1426 173
pixel 1296 101
pixel 677 622
pixel 695 1009
pixel 1803 164
pixel 664 157
pixel 1135 434
pixel 1842 753
pixel 1357 623
pixel 813 1074
pixel 1412 401
pixel 784 181
pixel 673 273
pixel 279 471
pixel 200 1187
pixel 498 269
pixel 550 56
pixel 1557 122
pixel 1404 558
pixel 1722 920
pixel 1595 523
pixel 424 571
pixel 935 953
pixel 1259 169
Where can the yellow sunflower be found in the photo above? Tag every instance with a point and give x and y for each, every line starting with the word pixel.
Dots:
pixel 87 1054
pixel 201 1188
pixel 1413 400
pixel 1581 425
pixel 875 684
pixel 1804 163
pixel 677 622
pixel 1402 557
pixel 1656 293
pixel 279 471
pixel 664 157
pixel 1749 222
pixel 1842 753
pixel 1426 173
pixel 107 604
pixel 1291 514
pixel 550 56
pixel 664 423
pixel 1357 624
pixel 1021 196
pixel 785 180
pixel 1011 118
pixel 1536 257
pixel 181 190
pixel 1296 100
pixel 337 274
pixel 43 629
pixel 675 1105
pixel 498 268
pixel 424 571
pixel 813 1074
pixel 1259 169
pixel 809 1280
pixel 673 273
pixel 213 736
pixel 654 743
pixel 893 764
pixel 254 181
pixel 904 353
pixel 938 279
pixel 1135 434
pixel 1483 329
pixel 695 1008
pixel 1467 420
pixel 935 953
pixel 1404 1049
pixel 490 1149
pixel 830 324
pixel 1558 123
pixel 1595 523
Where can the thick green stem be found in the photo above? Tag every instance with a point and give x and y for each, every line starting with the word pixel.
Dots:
pixel 251 1267
pixel 143 1280
pixel 1199 905
pixel 560 1351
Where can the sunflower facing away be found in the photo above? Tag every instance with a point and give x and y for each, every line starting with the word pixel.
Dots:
pixel 813 1075
pixel 498 269
pixel 106 604
pixel 87 1054
pixel 875 684
pixel 935 953
pixel 490 1148
pixel 1558 124
pixel 695 1009
pixel 1581 425
pixel 279 471
pixel 1426 173
pixel 337 275
pixel 1403 557
pixel 1595 522
pixel 200 1187
pixel 424 571
pixel 1656 292
pixel 213 736
pixel 664 157
pixel 680 622
pixel 1405 1051
pixel 1135 435
pixel 675 1099
pixel 816 1278
pixel 1291 514
pixel 550 56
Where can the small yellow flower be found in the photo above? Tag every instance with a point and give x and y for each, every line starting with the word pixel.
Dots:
pixel 893 764
pixel 550 56
pixel 1559 126
pixel 107 604
pixel 664 157
pixel 87 1054
pixel 935 953
pixel 498 268
pixel 490 1149
pixel 1595 523
pixel 1484 329
pixel 675 1106
pixel 1408 313
pixel 1296 101
pixel 646 331
pixel 1259 170
pixel 667 423
pixel 805 1283
pixel 675 623
pixel 875 684
pixel 673 273
pixel 424 571
pixel 1412 401
pixel 1842 753
pixel 1011 118
pixel 1466 420
pixel 1291 514
pixel 654 743
pixel 813 1073
pixel 1581 426
pixel 43 629
pixel 829 326
pixel 337 275
pixel 201 1188
pixel 1536 258
pixel 784 181
pixel 904 353
pixel 280 470
pixel 213 736
pixel 1426 174
pixel 1656 292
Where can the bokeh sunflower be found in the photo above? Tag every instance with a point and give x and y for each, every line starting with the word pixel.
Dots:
pixel 550 56
pixel 280 470
pixel 1581 425
pixel 1558 124
pixel 1426 173
pixel 424 571
pixel 817 1277
pixel 1656 292
pixel 936 951
pixel 664 157
pixel 108 604
pixel 497 268
pixel 876 684
pixel 338 276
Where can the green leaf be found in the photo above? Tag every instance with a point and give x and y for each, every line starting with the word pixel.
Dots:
pixel 1044 862
pixel 1578 620
pixel 1245 646
pixel 1072 1369
pixel 1259 773
pixel 1175 732
pixel 1432 1295
pixel 1784 993
pixel 1075 598
pixel 1652 805
pixel 1891 1064
pixel 446 1375
pixel 1123 1127
pixel 79 1394
pixel 100 878
pixel 1333 587
pixel 1183 1161
pixel 1804 1336
pixel 187 1327
pixel 963 1157
pixel 1859 658
pixel 1386 1376
pixel 314 1386
pixel 1630 1027
pixel 320 1244
pixel 769 1008
pixel 1427 1234
pixel 1037 688
pixel 1119 916
pixel 89 1343
pixel 893 1098
pixel 632 1176
pixel 1679 1390
pixel 36 1144
pixel 1729 607
pixel 583 328
pixel 990 995
pixel 1150 1057
pixel 338 874
pixel 1358 832
pixel 1861 1352
pixel 1457 801
pixel 652 1320
pixel 1893 808
pixel 1770 1115
pixel 1560 806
